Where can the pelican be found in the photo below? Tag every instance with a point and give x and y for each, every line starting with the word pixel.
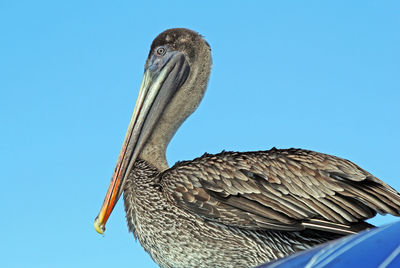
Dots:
pixel 230 209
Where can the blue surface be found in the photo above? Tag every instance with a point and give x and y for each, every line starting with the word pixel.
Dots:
pixel 378 247
pixel 320 75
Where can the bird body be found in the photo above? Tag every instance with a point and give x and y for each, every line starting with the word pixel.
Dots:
pixel 162 217
pixel 175 237
pixel 230 209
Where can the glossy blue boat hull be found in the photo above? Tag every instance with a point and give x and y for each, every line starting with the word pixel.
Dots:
pixel 379 247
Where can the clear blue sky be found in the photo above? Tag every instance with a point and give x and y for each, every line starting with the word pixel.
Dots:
pixel 316 75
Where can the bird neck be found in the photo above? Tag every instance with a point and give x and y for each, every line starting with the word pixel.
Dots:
pixel 184 103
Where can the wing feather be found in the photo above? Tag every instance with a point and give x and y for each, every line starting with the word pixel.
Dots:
pixel 288 190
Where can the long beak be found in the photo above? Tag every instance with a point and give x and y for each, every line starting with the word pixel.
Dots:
pixel 161 80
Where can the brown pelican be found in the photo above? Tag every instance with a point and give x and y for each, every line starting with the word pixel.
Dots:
pixel 230 209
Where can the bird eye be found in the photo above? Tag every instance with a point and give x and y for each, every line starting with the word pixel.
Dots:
pixel 160 51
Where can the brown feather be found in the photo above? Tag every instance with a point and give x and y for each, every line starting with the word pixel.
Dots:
pixel 303 185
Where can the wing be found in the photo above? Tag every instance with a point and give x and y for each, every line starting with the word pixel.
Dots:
pixel 287 190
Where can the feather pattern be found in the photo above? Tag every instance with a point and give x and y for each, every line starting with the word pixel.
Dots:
pixel 177 237
pixel 279 190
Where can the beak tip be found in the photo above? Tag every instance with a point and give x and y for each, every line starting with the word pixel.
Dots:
pixel 100 228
